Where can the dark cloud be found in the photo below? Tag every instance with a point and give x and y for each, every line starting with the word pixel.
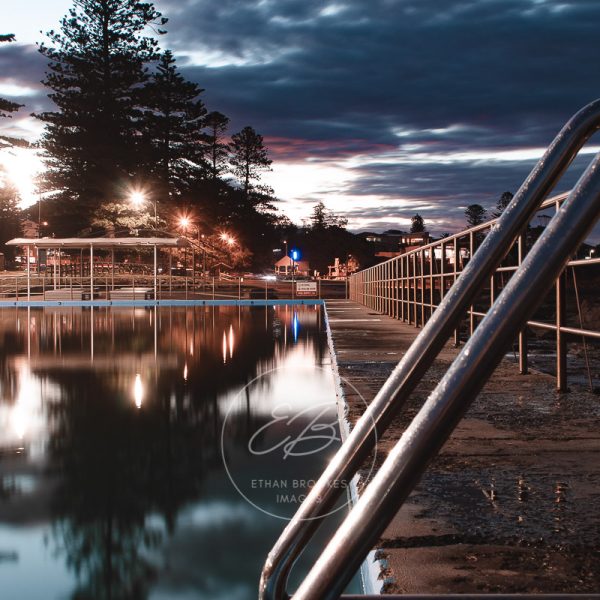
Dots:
pixel 513 69
pixel 329 80
pixel 22 63
pixel 332 79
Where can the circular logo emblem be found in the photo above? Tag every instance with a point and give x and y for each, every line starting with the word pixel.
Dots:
pixel 279 434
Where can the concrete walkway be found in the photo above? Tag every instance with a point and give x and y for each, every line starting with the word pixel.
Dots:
pixel 512 504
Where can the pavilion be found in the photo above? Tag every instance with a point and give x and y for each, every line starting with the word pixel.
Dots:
pixel 91 244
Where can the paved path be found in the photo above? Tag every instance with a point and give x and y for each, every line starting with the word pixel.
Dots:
pixel 512 504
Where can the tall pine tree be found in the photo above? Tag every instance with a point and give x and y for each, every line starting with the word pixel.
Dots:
pixel 216 123
pixel 96 71
pixel 174 122
pixel 249 158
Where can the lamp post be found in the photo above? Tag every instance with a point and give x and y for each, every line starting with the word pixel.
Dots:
pixel 295 257
pixel 39 215
pixel 203 253
pixel 184 223
pixel 287 255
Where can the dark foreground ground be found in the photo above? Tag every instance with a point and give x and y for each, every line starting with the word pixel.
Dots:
pixel 512 504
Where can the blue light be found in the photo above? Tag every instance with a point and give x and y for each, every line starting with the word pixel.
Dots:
pixel 295 326
pixel 295 254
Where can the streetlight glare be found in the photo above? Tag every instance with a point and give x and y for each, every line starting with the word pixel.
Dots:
pixel 137 198
pixel 184 222
pixel 228 239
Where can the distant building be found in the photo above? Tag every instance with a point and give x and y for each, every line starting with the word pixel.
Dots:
pixel 410 241
pixel 285 266
pixel 340 270
pixel 394 242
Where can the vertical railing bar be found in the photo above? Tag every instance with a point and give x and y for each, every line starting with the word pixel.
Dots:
pixel 457 330
pixel 472 308
pixel 561 345
pixel 422 280
pixel 523 359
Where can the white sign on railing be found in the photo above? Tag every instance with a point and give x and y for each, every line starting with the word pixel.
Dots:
pixel 306 288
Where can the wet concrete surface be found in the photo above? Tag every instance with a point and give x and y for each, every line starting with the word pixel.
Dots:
pixel 512 503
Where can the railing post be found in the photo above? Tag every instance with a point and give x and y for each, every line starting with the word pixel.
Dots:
pixel 401 294
pixel 442 271
pixel 91 271
pixel 457 330
pixel 431 282
pixel 414 280
pixel 388 289
pixel 472 309
pixel 561 344
pixel 523 362
pixel 422 283
pixel 395 288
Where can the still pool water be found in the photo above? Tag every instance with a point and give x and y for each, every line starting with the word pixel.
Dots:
pixel 157 453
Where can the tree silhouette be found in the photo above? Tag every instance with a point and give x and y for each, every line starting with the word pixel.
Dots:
pixel 216 123
pixel 96 70
pixel 323 218
pixel 249 158
pixel 475 214
pixel 174 122
pixel 417 224
pixel 502 203
pixel 9 216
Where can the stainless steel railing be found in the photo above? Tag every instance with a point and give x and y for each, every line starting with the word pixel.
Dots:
pixel 358 533
pixel 410 287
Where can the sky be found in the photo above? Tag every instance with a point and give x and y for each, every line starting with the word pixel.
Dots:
pixel 379 108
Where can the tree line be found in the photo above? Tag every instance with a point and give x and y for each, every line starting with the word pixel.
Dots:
pixel 476 214
pixel 125 120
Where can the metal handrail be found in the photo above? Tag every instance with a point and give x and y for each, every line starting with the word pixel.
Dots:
pixel 393 395
pixel 395 288
pixel 449 401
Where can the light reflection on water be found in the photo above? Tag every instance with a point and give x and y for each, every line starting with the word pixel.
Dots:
pixel 111 479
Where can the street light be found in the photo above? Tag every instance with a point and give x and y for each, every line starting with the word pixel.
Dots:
pixel 295 256
pixel 286 254
pixel 138 199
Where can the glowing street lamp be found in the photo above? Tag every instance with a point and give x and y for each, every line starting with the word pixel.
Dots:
pixel 184 223
pixel 228 239
pixel 138 199
pixel 295 254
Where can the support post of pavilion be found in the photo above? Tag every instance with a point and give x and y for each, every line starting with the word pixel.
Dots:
pixel 28 274
pixel 91 272
pixel 155 272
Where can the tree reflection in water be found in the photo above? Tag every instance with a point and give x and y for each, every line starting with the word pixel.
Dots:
pixel 127 463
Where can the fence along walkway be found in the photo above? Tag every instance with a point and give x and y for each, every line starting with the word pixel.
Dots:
pixel 411 286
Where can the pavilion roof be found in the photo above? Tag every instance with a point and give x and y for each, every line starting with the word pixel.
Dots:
pixel 99 242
